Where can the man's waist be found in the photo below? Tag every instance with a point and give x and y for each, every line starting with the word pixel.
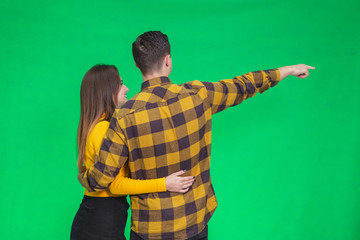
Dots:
pixel 172 213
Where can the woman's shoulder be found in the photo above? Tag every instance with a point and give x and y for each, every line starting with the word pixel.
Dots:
pixel 99 130
pixel 94 140
pixel 103 124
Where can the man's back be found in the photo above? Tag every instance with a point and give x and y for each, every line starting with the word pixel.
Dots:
pixel 167 129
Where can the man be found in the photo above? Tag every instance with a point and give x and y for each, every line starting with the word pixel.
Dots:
pixel 166 128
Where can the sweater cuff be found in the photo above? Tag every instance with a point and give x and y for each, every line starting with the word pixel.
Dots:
pixel 161 185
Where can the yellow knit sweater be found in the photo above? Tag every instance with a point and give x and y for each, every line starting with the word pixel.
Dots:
pixel 122 185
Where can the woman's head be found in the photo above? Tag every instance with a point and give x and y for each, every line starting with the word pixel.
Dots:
pixel 101 90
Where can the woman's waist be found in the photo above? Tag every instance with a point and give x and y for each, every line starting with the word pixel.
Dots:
pixel 105 193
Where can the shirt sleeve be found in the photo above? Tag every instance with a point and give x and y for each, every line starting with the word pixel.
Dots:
pixel 124 185
pixel 112 156
pixel 231 92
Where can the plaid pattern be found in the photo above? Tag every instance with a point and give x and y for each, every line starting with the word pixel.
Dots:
pixel 161 130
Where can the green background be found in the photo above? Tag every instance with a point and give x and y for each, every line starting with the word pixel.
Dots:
pixel 285 164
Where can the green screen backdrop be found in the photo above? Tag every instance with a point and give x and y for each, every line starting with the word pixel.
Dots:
pixel 285 164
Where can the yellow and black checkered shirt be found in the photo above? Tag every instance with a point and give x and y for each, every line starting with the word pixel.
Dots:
pixel 163 129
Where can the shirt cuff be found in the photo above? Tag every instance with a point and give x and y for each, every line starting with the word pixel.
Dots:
pixel 85 182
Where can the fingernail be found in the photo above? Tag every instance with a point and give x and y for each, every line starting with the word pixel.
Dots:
pixel 193 177
pixel 184 170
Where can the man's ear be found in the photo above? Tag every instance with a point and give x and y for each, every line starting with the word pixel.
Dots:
pixel 167 59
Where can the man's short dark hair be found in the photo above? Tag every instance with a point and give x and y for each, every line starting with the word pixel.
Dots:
pixel 149 49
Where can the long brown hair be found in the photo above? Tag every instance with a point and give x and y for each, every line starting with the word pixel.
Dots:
pixel 99 89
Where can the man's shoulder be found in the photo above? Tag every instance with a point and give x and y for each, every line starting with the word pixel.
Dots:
pixel 196 87
pixel 159 94
pixel 138 101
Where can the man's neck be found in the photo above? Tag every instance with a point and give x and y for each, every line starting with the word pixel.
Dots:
pixel 153 75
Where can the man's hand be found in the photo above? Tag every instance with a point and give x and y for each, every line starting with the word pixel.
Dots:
pixel 175 183
pixel 300 70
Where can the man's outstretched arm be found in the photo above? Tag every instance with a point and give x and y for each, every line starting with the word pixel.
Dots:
pixel 231 92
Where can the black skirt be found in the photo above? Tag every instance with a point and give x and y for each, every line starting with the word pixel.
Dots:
pixel 100 218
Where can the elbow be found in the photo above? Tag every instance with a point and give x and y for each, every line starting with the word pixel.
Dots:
pixel 113 189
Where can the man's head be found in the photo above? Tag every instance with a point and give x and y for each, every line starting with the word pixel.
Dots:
pixel 151 52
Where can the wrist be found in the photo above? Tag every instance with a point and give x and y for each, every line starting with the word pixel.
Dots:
pixel 290 70
pixel 166 181
pixel 285 71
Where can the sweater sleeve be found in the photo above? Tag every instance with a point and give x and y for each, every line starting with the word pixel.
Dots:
pixel 124 185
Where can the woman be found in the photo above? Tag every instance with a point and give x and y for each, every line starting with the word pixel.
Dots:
pixel 102 215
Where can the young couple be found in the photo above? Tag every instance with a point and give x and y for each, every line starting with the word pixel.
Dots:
pixel 143 146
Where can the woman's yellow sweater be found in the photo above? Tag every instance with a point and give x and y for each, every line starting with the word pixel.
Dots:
pixel 122 185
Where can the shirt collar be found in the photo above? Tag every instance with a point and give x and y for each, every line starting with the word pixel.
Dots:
pixel 155 82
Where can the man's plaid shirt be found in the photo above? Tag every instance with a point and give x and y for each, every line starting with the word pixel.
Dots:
pixel 163 129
